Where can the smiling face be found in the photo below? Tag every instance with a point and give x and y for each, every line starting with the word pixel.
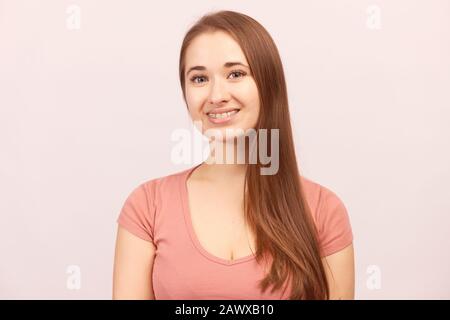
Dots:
pixel 220 91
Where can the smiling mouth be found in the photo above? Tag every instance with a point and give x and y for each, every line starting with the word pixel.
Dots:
pixel 223 115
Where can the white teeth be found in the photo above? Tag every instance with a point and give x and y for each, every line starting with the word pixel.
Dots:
pixel 222 115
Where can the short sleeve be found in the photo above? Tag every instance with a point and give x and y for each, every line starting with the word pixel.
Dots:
pixel 335 231
pixel 137 213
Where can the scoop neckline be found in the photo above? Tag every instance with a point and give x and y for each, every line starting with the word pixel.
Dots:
pixel 190 227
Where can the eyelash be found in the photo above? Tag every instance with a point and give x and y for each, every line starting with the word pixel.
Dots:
pixel 242 73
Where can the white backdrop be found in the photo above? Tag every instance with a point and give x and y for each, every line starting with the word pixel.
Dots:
pixel 89 97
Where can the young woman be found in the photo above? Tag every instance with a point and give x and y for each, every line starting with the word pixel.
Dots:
pixel 224 230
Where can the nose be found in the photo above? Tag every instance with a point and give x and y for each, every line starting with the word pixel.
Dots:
pixel 218 93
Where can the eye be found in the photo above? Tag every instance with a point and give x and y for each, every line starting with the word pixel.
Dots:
pixel 239 74
pixel 242 73
pixel 194 78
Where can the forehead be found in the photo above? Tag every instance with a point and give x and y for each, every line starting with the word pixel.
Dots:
pixel 213 49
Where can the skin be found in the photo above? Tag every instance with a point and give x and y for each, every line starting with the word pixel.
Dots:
pixel 340 271
pixel 215 87
pixel 219 87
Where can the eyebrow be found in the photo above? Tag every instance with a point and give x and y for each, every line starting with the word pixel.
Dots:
pixel 226 65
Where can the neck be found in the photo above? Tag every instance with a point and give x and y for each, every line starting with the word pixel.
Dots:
pixel 223 163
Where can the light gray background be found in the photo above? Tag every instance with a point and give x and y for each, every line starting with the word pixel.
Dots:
pixel 86 115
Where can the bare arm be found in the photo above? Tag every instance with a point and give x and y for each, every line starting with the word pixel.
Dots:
pixel 340 270
pixel 133 266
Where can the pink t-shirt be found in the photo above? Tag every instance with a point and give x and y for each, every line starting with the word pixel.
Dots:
pixel 158 211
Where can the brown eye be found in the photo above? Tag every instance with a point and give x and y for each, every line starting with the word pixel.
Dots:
pixel 194 78
pixel 236 73
pixel 241 73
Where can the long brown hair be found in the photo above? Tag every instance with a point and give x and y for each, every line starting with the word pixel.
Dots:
pixel 275 205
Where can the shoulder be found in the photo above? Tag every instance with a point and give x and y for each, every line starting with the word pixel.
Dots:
pixel 158 187
pixel 330 215
pixel 139 211
pixel 166 181
pixel 319 197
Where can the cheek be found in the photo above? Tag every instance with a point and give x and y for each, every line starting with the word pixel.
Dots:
pixel 252 104
pixel 194 103
pixel 250 97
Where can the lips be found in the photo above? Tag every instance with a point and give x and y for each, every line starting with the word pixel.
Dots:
pixel 221 110
pixel 222 118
